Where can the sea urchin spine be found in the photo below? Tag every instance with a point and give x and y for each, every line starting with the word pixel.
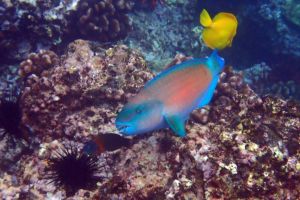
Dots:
pixel 72 170
pixel 10 117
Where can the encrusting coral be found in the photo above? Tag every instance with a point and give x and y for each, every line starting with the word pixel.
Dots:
pixel 239 146
pixel 91 88
pixel 37 62
pixel 28 26
pixel 104 20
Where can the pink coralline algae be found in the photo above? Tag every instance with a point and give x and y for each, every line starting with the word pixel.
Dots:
pixel 240 146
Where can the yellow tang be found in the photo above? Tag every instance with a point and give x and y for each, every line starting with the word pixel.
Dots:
pixel 218 32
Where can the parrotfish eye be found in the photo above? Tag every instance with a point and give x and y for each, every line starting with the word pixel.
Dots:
pixel 138 110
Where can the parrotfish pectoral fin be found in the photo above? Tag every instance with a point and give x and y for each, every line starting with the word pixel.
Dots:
pixel 205 19
pixel 176 124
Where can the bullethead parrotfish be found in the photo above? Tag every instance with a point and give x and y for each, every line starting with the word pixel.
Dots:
pixel 218 32
pixel 105 142
pixel 169 98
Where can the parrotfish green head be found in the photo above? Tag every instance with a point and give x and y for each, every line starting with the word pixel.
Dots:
pixel 215 63
pixel 139 118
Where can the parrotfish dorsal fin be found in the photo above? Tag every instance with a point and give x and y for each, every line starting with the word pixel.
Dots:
pixel 176 124
pixel 205 19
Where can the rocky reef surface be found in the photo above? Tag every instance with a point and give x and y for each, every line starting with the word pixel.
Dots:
pixel 163 32
pixel 239 146
pixel 31 25
pixel 160 29
pixel 261 79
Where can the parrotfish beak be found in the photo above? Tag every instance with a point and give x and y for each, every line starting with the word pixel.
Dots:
pixel 125 129
pixel 121 127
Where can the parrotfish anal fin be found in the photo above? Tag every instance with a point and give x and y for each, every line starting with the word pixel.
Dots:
pixel 176 124
pixel 209 92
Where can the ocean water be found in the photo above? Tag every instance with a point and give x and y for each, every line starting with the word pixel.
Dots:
pixel 68 68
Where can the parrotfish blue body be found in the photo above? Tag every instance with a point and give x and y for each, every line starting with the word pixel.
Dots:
pixel 168 99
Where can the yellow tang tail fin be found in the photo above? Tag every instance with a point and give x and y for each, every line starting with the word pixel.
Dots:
pixel 205 19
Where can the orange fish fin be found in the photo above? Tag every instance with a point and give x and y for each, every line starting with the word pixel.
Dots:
pixel 100 144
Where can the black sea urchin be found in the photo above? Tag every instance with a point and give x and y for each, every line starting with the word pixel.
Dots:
pixel 10 117
pixel 72 170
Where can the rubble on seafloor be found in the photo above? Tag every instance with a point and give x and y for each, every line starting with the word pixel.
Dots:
pixel 239 146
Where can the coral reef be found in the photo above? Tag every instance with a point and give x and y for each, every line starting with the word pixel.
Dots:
pixel 239 146
pixel 37 62
pixel 28 26
pixel 165 32
pixel 275 41
pixel 29 179
pixel 148 3
pixel 12 143
pixel 263 81
pixel 292 11
pixel 175 2
pixel 247 147
pixel 104 20
pixel 90 88
pixel 9 81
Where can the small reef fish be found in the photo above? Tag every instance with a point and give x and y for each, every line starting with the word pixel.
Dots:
pixel 105 142
pixel 169 98
pixel 218 32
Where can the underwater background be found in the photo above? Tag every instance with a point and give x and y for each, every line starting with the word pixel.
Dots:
pixel 69 66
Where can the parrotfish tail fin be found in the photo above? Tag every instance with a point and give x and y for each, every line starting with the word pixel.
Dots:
pixel 215 63
pixel 205 19
pixel 176 124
